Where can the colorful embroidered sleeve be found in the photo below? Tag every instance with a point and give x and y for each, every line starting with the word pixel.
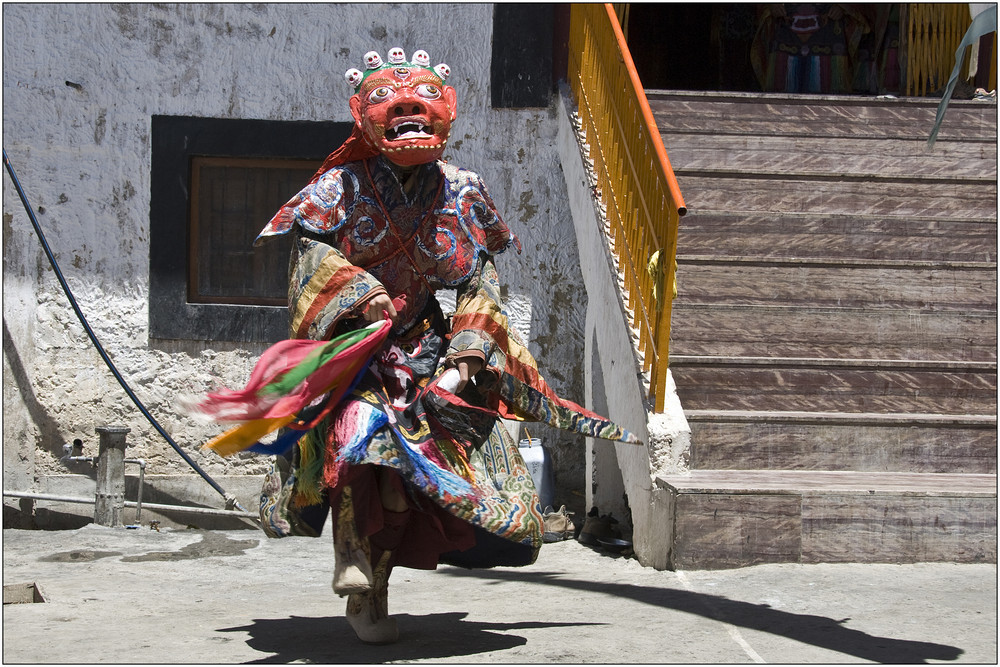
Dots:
pixel 321 207
pixel 478 311
pixel 520 392
pixel 476 212
pixel 323 289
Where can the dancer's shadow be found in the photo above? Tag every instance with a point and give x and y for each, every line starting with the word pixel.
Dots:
pixel 329 639
pixel 820 631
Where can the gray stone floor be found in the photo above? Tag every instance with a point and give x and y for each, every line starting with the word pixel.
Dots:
pixel 221 597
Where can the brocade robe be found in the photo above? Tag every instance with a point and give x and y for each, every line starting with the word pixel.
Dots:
pixel 358 235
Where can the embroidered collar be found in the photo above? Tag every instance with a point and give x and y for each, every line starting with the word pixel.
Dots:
pixel 426 176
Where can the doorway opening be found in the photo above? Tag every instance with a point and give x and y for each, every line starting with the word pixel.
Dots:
pixel 790 48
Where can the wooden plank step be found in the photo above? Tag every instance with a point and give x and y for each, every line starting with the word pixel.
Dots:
pixel 823 156
pixel 922 443
pixel 800 482
pixel 791 385
pixel 828 236
pixel 850 283
pixel 786 331
pixel 706 193
pixel 820 116
pixel 678 360
pixel 724 519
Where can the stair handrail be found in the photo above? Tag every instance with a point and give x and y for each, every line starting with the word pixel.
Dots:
pixel 635 182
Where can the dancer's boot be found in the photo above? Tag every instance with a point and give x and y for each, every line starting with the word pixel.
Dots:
pixel 368 613
pixel 352 572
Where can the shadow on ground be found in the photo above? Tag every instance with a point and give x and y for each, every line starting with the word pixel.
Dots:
pixel 819 631
pixel 432 636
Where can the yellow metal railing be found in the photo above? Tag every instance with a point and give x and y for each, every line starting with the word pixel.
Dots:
pixel 635 181
pixel 933 32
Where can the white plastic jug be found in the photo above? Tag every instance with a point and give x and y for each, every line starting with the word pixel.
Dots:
pixel 539 463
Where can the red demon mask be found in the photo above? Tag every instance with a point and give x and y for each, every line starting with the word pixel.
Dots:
pixel 404 110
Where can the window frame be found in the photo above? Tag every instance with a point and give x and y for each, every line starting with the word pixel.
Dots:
pixel 175 140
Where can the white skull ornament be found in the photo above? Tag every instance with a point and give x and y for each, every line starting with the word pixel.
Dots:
pixel 442 71
pixel 421 58
pixel 373 60
pixel 397 56
pixel 353 77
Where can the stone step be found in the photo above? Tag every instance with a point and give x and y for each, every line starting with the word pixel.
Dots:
pixel 849 117
pixel 734 518
pixel 872 158
pixel 846 283
pixel 709 192
pixel 923 443
pixel 826 235
pixel 835 385
pixel 850 333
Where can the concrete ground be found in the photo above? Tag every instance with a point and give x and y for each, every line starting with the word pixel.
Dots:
pixel 195 596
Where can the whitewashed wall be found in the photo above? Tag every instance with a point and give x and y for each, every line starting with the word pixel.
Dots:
pixel 80 84
pixel 621 477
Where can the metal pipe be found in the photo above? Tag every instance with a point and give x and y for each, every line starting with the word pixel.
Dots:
pixel 91 459
pixel 68 455
pixel 129 503
pixel 142 476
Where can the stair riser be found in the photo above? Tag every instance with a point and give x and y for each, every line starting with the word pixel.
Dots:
pixel 962 201
pixel 821 118
pixel 835 390
pixel 831 333
pixel 838 286
pixel 825 236
pixel 898 529
pixel 847 157
pixel 718 531
pixel 861 448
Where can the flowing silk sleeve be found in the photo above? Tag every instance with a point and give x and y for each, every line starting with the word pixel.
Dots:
pixel 480 326
pixel 323 289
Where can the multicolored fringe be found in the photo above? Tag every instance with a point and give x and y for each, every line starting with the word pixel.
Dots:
pixel 524 395
pixel 419 452
pixel 310 471
pixel 286 381
pixel 427 474
pixel 523 402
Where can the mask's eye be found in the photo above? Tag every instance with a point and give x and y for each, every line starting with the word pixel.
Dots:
pixel 428 91
pixel 380 94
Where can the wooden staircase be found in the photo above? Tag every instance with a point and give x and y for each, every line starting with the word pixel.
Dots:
pixel 834 339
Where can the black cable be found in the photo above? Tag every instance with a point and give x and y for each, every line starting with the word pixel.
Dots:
pixel 97 343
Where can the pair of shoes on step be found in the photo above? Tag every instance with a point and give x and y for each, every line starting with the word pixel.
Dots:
pixel 557 525
pixel 598 527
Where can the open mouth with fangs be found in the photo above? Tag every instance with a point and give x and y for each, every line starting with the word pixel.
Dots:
pixel 408 130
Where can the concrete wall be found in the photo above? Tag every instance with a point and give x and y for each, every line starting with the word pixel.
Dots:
pixel 621 477
pixel 81 82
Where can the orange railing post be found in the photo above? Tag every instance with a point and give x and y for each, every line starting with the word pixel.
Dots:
pixel 636 185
